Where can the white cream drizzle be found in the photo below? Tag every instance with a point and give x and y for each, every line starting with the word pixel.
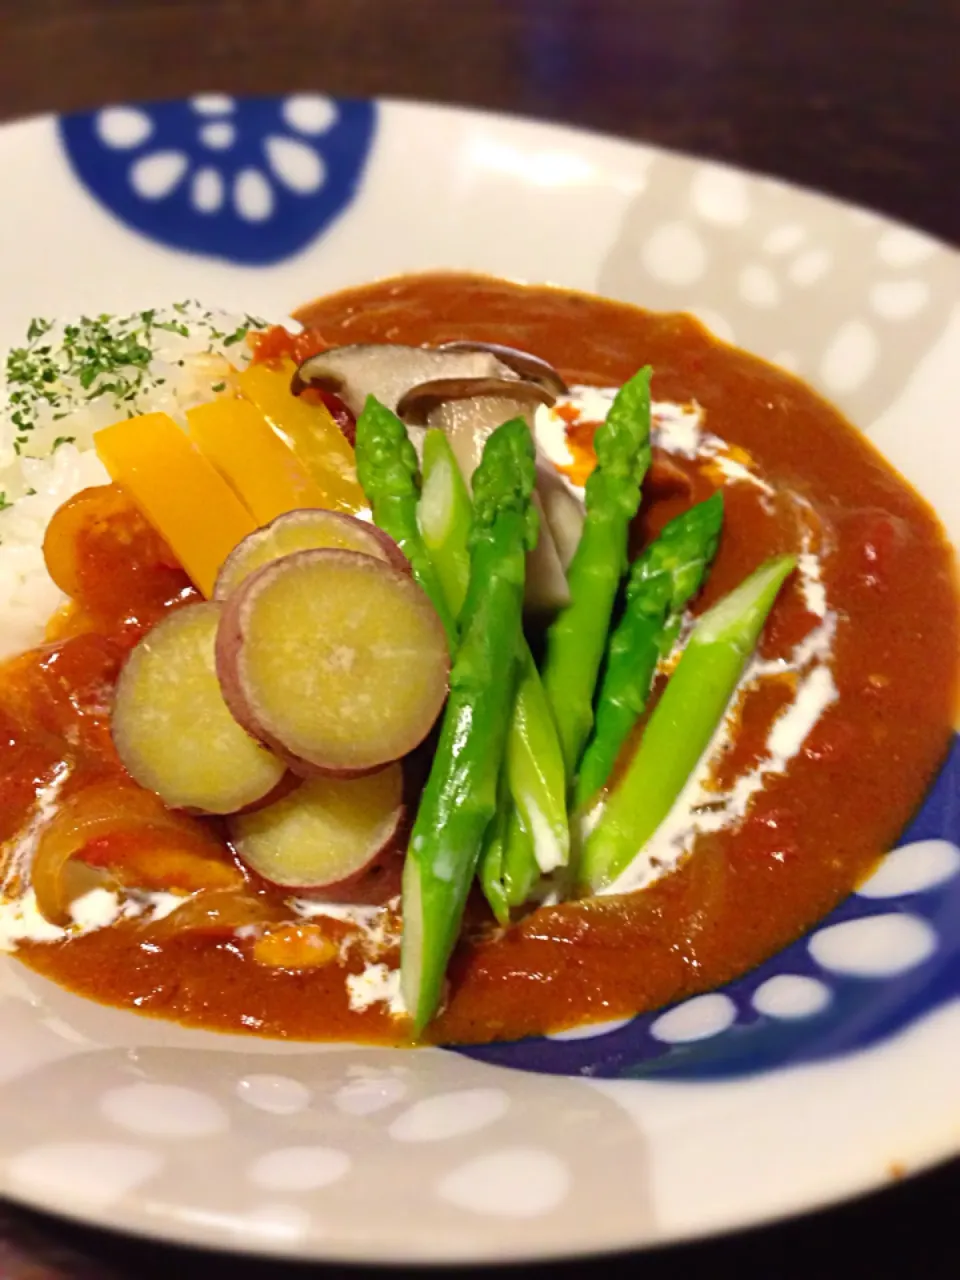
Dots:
pixel 701 808
pixel 676 428
pixel 377 984
pixel 21 919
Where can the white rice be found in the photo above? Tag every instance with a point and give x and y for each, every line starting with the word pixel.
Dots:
pixel 182 356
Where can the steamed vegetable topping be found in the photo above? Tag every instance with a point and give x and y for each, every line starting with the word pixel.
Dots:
pixel 533 822
pixel 444 514
pixel 299 700
pixel 182 495
pixel 310 431
pixel 334 659
pixel 333 838
pixel 685 719
pixel 659 586
pixel 264 472
pixel 577 639
pixel 309 530
pixel 460 797
pixel 171 725
pixel 390 474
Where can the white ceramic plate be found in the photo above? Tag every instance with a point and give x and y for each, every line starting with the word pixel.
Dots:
pixel 797 1085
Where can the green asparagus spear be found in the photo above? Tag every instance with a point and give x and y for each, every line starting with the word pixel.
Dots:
pixel 660 583
pixel 445 513
pixel 389 474
pixel 493 853
pixel 577 639
pixel 521 871
pixel 460 797
pixel 537 785
pixel 540 841
pixel 684 721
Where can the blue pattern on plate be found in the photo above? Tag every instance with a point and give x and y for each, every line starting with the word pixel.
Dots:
pixel 921 925
pixel 251 180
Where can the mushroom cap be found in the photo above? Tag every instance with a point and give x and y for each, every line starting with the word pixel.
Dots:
pixel 524 363
pixel 389 370
pixel 417 403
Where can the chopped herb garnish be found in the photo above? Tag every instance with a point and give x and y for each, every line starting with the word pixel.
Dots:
pixel 4 502
pixel 219 386
pixel 64 440
pixel 102 356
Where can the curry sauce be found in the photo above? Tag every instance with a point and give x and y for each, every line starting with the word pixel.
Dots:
pixel 745 891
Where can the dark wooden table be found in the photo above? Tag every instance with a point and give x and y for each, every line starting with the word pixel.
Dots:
pixel 857 97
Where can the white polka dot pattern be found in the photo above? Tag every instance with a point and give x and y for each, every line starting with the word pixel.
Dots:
pixel 298 1168
pixel 218 135
pixel 309 113
pixel 367 1095
pixel 850 358
pixel 164 1111
pixel 207 190
pixel 450 1115
pixel 252 196
pixel 874 946
pixel 517 1182
pixel 591 1029
pixel 155 176
pixel 675 254
pixel 295 164
pixel 899 299
pixel 212 104
pixel 758 286
pixel 904 247
pixel 720 196
pixel 810 267
pixel 277 1095
pixel 124 127
pixel 784 239
pixel 695 1019
pixel 789 995
pixel 913 868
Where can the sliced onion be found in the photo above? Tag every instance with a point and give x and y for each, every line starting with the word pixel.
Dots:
pixel 220 911
pixel 102 809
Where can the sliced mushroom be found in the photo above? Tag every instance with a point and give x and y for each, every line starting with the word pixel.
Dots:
pixel 389 371
pixel 526 365
pixel 469 411
pixel 546 587
pixel 562 510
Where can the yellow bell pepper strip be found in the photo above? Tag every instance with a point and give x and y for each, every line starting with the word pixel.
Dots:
pixel 310 432
pixel 182 494
pixel 259 466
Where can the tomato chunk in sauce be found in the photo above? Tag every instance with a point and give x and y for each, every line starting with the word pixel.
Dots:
pixel 743 893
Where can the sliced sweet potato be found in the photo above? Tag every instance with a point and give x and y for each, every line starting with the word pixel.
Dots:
pixel 172 728
pixel 332 838
pixel 308 529
pixel 336 661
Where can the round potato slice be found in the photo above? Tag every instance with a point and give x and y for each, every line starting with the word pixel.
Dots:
pixel 336 661
pixel 332 838
pixel 309 529
pixel 172 728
